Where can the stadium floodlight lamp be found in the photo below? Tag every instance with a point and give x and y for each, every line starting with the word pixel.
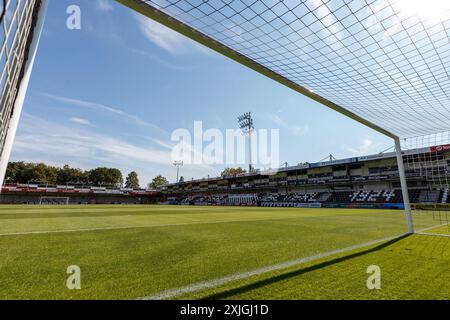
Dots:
pixel 178 164
pixel 245 122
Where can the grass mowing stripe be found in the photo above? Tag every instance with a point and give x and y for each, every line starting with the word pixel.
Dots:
pixel 172 293
pixel 169 294
pixel 131 227
pixel 141 262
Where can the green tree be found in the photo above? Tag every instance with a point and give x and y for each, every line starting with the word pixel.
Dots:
pixel 45 174
pixel 30 172
pixel 68 175
pixel 158 181
pixel 105 177
pixel 132 180
pixel 232 172
pixel 14 171
pixel 22 172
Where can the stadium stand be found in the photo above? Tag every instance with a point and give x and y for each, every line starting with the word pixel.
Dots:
pixel 368 181
pixel 45 194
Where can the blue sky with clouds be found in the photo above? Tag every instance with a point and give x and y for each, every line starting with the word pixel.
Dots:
pixel 112 93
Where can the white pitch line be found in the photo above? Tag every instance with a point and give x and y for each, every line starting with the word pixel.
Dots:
pixel 139 226
pixel 420 231
pixel 172 293
pixel 433 234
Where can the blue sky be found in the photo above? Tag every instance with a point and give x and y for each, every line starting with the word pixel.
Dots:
pixel 111 94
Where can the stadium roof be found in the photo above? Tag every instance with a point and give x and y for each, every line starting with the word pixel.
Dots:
pixel 384 63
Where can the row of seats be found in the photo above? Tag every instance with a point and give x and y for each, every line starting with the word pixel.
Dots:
pixel 292 197
pixel 362 196
pixel 248 199
pixel 387 196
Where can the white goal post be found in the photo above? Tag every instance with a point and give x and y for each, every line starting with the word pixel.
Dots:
pixel 54 200
pixel 404 185
pixel 20 32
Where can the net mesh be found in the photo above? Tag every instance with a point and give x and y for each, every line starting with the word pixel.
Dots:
pixel 16 27
pixel 386 61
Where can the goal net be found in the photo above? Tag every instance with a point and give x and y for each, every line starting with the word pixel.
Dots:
pixel 20 28
pixel 54 200
pixel 427 166
pixel 383 63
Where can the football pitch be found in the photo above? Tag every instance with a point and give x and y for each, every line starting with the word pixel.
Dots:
pixel 188 252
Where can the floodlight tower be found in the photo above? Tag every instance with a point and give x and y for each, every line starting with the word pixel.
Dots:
pixel 246 125
pixel 178 164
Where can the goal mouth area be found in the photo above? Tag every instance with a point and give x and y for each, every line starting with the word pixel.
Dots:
pixel 434 216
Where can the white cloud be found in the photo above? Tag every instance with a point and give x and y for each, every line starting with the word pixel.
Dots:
pixel 295 130
pixel 161 62
pixel 40 140
pixel 104 5
pixel 104 108
pixel 53 137
pixel 366 146
pixel 166 38
pixel 81 121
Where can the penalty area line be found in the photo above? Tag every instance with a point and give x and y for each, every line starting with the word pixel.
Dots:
pixel 433 234
pixel 424 232
pixel 172 293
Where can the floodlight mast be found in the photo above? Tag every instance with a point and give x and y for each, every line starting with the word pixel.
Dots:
pixel 245 122
pixel 178 164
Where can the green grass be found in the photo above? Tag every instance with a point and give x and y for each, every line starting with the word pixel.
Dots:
pixel 143 250
pixel 441 219
pixel 415 267
pixel 441 230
